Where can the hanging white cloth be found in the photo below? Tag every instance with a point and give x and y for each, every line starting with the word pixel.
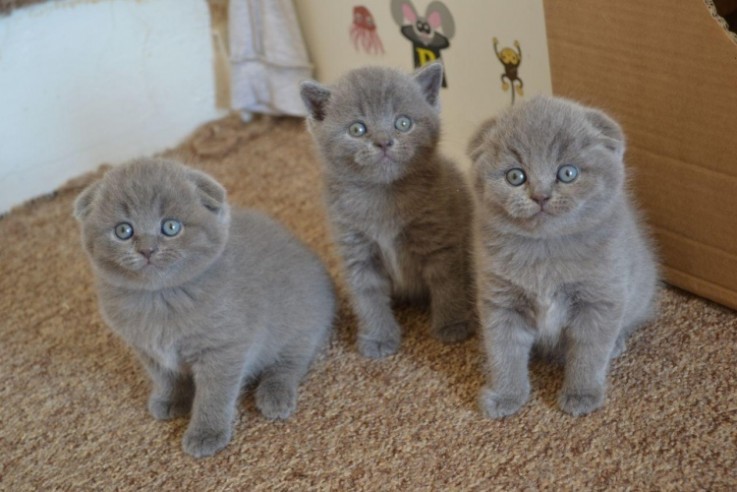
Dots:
pixel 268 57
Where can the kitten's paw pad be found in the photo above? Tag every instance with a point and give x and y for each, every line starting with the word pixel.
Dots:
pixel 496 406
pixel 377 349
pixel 163 409
pixel 578 404
pixel 453 333
pixel 205 442
pixel 276 400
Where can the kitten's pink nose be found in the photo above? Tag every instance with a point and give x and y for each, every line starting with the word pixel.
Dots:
pixel 384 143
pixel 540 199
pixel 147 252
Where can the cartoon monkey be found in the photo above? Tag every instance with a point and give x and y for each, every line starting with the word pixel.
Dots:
pixel 511 60
pixel 423 31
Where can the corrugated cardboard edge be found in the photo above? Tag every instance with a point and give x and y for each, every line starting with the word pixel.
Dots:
pixel 718 18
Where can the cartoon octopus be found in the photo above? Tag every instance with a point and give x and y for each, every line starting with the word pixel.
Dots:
pixel 363 31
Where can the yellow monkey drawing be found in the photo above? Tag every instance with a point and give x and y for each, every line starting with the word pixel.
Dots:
pixel 511 60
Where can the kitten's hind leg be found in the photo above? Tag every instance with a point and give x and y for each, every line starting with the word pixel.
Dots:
pixel 620 345
pixel 276 393
pixel 451 297
pixel 172 392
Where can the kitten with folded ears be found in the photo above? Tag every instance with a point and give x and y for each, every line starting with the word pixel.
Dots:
pixel 208 297
pixel 400 211
pixel 564 264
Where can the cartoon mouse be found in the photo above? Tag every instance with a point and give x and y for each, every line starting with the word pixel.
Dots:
pixel 423 31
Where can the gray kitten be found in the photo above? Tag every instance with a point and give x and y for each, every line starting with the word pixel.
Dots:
pixel 563 263
pixel 401 213
pixel 208 298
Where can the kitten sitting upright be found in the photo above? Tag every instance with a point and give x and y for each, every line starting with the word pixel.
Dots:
pixel 400 212
pixel 208 299
pixel 563 263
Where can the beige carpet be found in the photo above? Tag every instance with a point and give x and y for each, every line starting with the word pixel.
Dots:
pixel 74 399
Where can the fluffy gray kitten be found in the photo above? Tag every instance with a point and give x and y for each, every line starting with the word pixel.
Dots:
pixel 563 264
pixel 401 213
pixel 207 297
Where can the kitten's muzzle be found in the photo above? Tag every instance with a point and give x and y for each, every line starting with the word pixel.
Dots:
pixel 146 246
pixel 147 252
pixel 384 143
pixel 540 199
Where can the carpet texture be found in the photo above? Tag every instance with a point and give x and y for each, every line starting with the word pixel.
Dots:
pixel 73 397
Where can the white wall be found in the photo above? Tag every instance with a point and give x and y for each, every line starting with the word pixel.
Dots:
pixel 87 82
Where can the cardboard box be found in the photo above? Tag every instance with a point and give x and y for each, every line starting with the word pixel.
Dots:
pixel 667 71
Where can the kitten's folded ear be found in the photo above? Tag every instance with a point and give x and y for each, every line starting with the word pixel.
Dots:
pixel 83 202
pixel 430 78
pixel 212 195
pixel 475 146
pixel 612 135
pixel 315 97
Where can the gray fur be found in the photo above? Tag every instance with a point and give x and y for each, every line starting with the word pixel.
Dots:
pixel 573 282
pixel 402 222
pixel 232 296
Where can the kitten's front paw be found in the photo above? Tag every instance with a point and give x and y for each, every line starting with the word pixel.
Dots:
pixel 276 399
pixel 453 333
pixel 581 403
pixel 164 409
pixel 205 442
pixel 377 349
pixel 497 406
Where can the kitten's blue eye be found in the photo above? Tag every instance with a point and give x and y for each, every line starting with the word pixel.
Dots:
pixel 516 177
pixel 403 123
pixel 171 227
pixel 567 173
pixel 357 129
pixel 123 231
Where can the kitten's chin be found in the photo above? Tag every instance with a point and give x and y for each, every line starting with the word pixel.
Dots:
pixel 386 161
pixel 540 222
pixel 546 225
pixel 535 224
pixel 142 279
pixel 384 169
pixel 390 172
pixel 148 276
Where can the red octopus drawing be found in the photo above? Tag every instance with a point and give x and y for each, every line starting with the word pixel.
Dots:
pixel 363 31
